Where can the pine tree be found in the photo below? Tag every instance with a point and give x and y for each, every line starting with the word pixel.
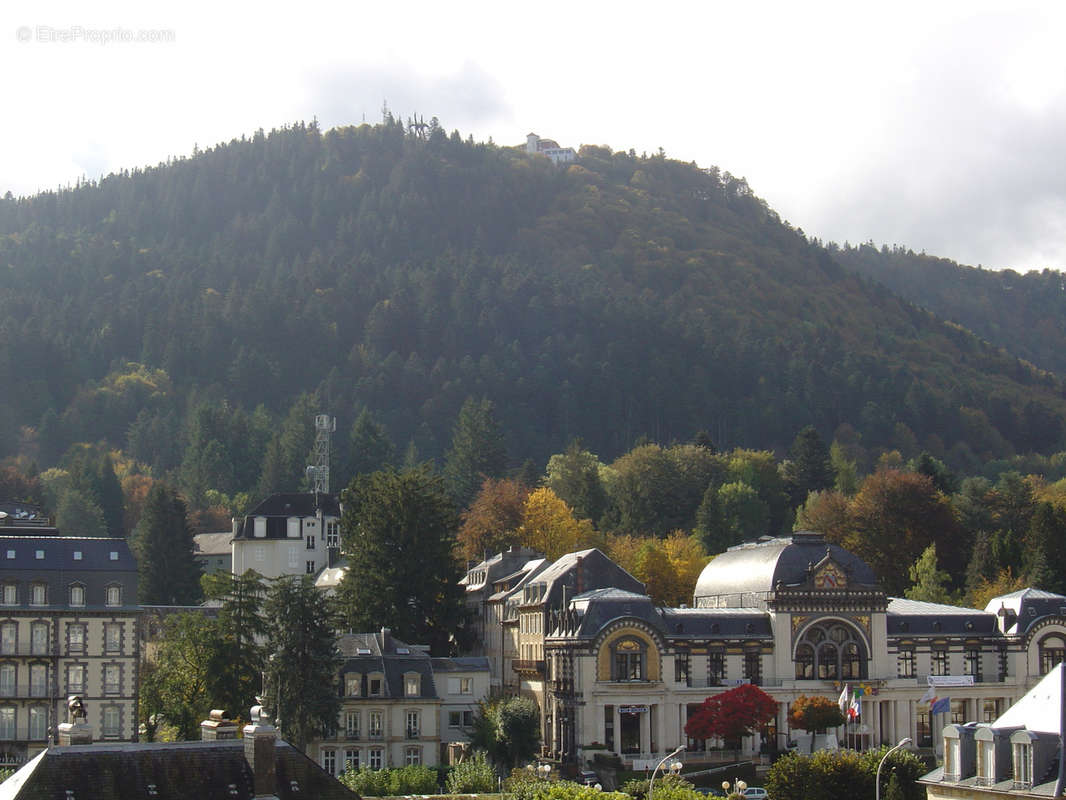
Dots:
pixel 477 450
pixel 809 468
pixel 1044 560
pixel 169 575
pixel 398 533
pixel 369 446
pixel 304 663
pixel 236 674
pixel 78 515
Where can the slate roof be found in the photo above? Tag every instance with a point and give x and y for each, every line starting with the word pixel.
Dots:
pixel 178 771
pixel 915 618
pixel 464 664
pixel 757 567
pixel 599 608
pixel 581 571
pixel 387 657
pixel 279 507
pixel 58 553
pixel 497 567
pixel 1028 606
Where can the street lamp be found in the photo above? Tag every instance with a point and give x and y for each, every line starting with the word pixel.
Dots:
pixel 739 786
pixel 545 770
pixel 651 783
pixel 877 781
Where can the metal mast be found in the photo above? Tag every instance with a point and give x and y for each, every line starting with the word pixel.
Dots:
pixel 319 471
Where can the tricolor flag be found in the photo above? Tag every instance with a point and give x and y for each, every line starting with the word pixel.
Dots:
pixel 845 700
pixel 937 705
pixel 855 709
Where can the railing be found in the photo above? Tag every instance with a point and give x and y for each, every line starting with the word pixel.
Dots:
pixel 527 665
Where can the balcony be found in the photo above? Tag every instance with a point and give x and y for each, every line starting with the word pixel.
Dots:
pixel 528 665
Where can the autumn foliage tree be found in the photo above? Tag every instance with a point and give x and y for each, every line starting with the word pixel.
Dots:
pixel 815 713
pixel 548 525
pixel 491 523
pixel 732 714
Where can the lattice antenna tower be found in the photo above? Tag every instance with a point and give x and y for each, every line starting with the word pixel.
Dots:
pixel 319 471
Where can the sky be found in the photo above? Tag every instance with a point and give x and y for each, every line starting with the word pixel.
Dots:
pixel 939 126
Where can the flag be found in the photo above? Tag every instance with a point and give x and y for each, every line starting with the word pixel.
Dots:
pixel 929 696
pixel 845 700
pixel 855 709
pixel 940 705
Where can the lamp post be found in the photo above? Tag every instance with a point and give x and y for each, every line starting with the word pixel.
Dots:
pixel 877 780
pixel 651 783
pixel 739 787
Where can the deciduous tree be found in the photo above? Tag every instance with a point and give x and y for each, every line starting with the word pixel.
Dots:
pixel 549 526
pixel 491 523
pixel 732 714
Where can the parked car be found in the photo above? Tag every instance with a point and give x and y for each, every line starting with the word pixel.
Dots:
pixel 755 793
pixel 588 777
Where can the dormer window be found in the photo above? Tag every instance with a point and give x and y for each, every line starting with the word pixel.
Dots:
pixel 1023 765
pixel 114 595
pixel 77 595
pixel 375 686
pixel 38 594
pixel 412 685
pixel 292 529
pixel 259 528
pixel 986 763
pixel 353 682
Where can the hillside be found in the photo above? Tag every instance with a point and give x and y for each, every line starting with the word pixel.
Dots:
pixel 1023 313
pixel 617 298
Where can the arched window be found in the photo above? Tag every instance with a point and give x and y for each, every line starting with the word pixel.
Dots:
pixel 628 660
pixel 830 651
pixel 1052 652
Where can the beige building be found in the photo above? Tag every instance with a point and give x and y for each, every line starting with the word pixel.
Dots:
pixel 399 706
pixel 288 534
pixel 68 626
pixel 794 615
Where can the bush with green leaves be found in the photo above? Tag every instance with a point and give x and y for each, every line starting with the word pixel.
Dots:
pixel 667 787
pixel 830 775
pixel 414 779
pixel 472 776
pixel 526 785
pixel 508 729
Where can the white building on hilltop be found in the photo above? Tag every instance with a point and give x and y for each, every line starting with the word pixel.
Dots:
pixel 549 148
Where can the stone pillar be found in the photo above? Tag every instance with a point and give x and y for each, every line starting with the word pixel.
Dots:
pixel 218 727
pixel 260 739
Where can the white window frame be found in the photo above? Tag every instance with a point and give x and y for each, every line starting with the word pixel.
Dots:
pixel 77 595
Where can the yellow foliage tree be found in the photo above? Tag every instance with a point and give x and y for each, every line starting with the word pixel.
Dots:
pixel 655 570
pixel 548 525
pixel 688 558
pixel 623 549
pixel 985 590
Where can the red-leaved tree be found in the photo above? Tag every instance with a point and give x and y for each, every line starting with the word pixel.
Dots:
pixel 732 714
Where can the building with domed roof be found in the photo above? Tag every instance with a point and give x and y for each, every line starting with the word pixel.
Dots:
pixel 795 615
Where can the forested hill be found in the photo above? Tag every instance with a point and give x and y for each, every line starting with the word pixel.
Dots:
pixel 1025 314
pixel 611 299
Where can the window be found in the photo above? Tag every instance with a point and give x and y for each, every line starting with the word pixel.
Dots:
pixel 333 538
pixel 39 555
pixel 113 555
pixel 7 680
pixel 39 638
pixel 351 724
pixel 753 667
pixel 990 710
pixel 1052 652
pixel 38 595
pixel 375 758
pixel 292 527
pixel 681 669
pixel 75 638
pixel 10 554
pixel 833 650
pixel 7 722
pixel 375 687
pixel 468 719
pixel 75 678
pixel 77 595
pixel 38 723
pixel 412 756
pixel 986 763
pixel 958 712
pixel 924 731
pixel 374 725
pixel 940 662
pixel 351 759
pixel 259 528
pixel 412 685
pixel 38 680
pixel 310 567
pixel 455 719
pixel 112 679
pixel 972 663
pixel 413 731
pixel 11 594
pixel 9 638
pixel 113 596
pixel 260 554
pixel 352 683
pixel 906 663
pixel 294 558
pixel 310 542
pixel 329 761
pixel 113 637
pixel 628 661
pixel 716 667
pixel 112 722
pixel 77 555
pixel 1023 764
pixel 460 686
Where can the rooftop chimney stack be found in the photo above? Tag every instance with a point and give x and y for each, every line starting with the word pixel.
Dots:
pixel 260 738
pixel 218 726
pixel 75 730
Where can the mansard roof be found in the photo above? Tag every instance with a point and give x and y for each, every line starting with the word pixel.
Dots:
pixel 279 507
pixel 753 570
pixel 917 618
pixel 381 652
pixel 1022 609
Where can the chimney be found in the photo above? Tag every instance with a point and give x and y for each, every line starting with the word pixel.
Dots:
pixel 259 745
pixel 75 730
pixel 217 726
pixel 385 634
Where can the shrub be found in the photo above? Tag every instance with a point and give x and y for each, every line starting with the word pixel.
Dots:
pixel 381 782
pixel 667 787
pixel 472 776
pixel 829 775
